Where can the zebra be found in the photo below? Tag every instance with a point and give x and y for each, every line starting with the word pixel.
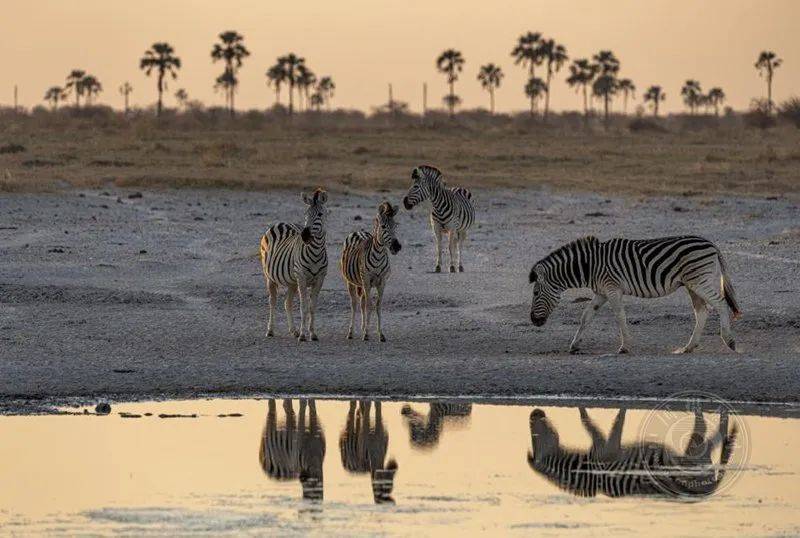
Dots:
pixel 311 452
pixel 363 444
pixel 452 211
pixel 645 268
pixel 278 450
pixel 645 468
pixel 296 258
pixel 425 432
pixel 365 264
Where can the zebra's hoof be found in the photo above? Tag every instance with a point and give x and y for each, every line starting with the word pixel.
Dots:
pixel 314 337
pixel 682 350
pixel 294 333
pixel 349 336
pixel 365 337
pixel 731 345
pixel 270 333
pixel 301 338
pixel 460 268
pixel 573 350
pixel 623 350
pixel 438 269
pixel 382 338
pixel 452 269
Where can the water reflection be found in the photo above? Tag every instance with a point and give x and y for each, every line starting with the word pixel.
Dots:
pixel 641 468
pixel 425 431
pixel 363 446
pixel 294 448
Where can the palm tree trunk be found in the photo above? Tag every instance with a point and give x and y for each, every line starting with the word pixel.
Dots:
pixel 585 103
pixel 232 106
pixel 491 98
pixel 452 103
pixel 625 103
pixel 160 91
pixel 291 98
pixel 605 104
pixel 547 95
pixel 769 91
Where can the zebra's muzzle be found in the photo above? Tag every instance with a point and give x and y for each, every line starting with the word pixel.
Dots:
pixel 537 320
pixel 305 235
pixel 407 203
pixel 395 246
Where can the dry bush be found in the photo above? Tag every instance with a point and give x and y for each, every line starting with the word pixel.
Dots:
pixel 759 115
pixel 790 111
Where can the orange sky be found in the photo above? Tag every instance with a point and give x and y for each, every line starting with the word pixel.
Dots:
pixel 366 44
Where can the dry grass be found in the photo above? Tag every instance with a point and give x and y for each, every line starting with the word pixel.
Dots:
pixel 248 154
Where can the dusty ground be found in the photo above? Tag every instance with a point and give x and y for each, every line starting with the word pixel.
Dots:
pixel 102 293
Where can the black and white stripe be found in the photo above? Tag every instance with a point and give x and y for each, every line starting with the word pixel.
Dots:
pixel 296 258
pixel 426 431
pixel 278 450
pixel 640 268
pixel 452 211
pixel 365 265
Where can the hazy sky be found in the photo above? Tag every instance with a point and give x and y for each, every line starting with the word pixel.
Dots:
pixel 366 44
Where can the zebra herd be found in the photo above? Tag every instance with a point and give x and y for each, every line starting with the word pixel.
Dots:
pixel 295 257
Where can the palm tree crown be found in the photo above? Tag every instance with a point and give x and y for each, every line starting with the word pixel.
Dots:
pixel 160 57
pixel 91 86
pixel 627 87
pixel 231 51
pixel 451 63
pixel 581 76
pixel 766 64
pixel 73 84
pixel 325 88
pixel 292 65
pixel 655 95
pixel 490 76
pixel 54 94
pixel 554 55
pixel 534 89
pixel 716 96
pixel 692 94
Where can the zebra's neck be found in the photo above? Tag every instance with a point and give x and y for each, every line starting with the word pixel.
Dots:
pixel 574 265
pixel 315 244
pixel 439 195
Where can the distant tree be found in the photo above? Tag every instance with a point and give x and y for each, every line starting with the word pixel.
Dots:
pixel 581 76
pixel 326 87
pixel 605 87
pixel 627 87
pixel 182 96
pixel 91 87
pixel 54 94
pixel 490 76
pixel 692 95
pixel 534 89
pixel 291 67
pixel 451 63
pixel 553 56
pixel 451 101
pixel 161 57
pixel 654 95
pixel 73 84
pixel 305 81
pixel 317 100
pixel 226 83
pixel 527 53
pixel 716 97
pixel 231 51
pixel 766 65
pixel 276 77
pixel 125 90
pixel 607 62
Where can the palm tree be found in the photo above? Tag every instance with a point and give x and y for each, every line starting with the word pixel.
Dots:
pixel 276 76
pixel 626 86
pixel 655 95
pixel 161 57
pixel 607 62
pixel 125 90
pixel 534 90
pixel 451 63
pixel 582 73
pixel 605 87
pixel 490 76
pixel 226 83
pixel 305 80
pixel 291 67
pixel 91 86
pixel 54 94
pixel 231 50
pixel 182 96
pixel 692 94
pixel 554 55
pixel 766 65
pixel 74 84
pixel 317 100
pixel 716 97
pixel 325 88
pixel 527 53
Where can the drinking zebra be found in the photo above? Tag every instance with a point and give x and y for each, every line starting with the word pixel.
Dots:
pixel 296 258
pixel 452 211
pixel 643 468
pixel 425 431
pixel 365 265
pixel 641 268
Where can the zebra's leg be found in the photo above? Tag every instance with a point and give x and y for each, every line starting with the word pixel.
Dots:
pixel 452 246
pixel 378 298
pixel 288 304
pixel 700 317
pixel 313 312
pixel 272 290
pixel 437 239
pixel 303 294
pixel 351 289
pixel 725 325
pixel 586 317
pixel 365 312
pixel 615 300
pixel 363 304
pixel 598 439
pixel 462 236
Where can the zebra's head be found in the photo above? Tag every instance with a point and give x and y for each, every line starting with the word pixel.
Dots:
pixel 383 483
pixel 544 438
pixel 421 177
pixel 545 295
pixel 316 215
pixel 386 227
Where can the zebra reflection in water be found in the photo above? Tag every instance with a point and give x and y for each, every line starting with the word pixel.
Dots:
pixel 424 432
pixel 644 468
pixel 295 448
pixel 363 445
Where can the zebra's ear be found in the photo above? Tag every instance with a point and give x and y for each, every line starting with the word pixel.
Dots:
pixel 320 196
pixel 532 277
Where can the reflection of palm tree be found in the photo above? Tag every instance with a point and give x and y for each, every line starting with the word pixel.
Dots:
pixel 451 63
pixel 716 97
pixel 766 65
pixel 627 87
pixel 232 51
pixel 363 446
pixel 581 75
pixel 54 94
pixel 534 90
pixel 527 53
pixel 161 57
pixel 692 94
pixel 126 90
pixel 425 431
pixel 655 95
pixel 490 76
pixel 73 84
pixel 643 468
pixel 554 55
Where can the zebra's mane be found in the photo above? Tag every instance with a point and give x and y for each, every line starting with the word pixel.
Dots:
pixel 583 241
pixel 430 172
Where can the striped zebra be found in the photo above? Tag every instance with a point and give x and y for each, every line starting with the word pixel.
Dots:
pixel 311 452
pixel 363 446
pixel 365 265
pixel 296 258
pixel 425 432
pixel 642 268
pixel 452 211
pixel 645 468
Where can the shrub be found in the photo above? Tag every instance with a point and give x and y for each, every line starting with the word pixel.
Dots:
pixel 758 116
pixel 790 110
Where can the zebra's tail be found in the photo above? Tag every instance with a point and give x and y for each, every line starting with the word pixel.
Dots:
pixel 727 289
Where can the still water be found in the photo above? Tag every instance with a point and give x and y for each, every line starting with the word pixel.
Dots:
pixel 290 467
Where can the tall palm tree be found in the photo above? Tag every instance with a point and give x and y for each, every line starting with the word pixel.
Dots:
pixel 125 90
pixel 305 80
pixel 605 87
pixel 607 62
pixel 91 86
pixel 325 88
pixel 766 65
pixel 291 67
pixel 716 97
pixel 161 57
pixel 627 87
pixel 490 76
pixel 451 63
pixel 73 84
pixel 232 51
pixel 692 94
pixel 527 53
pixel 582 73
pixel 54 94
pixel 276 76
pixel 654 95
pixel 534 89
pixel 316 100
pixel 554 55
